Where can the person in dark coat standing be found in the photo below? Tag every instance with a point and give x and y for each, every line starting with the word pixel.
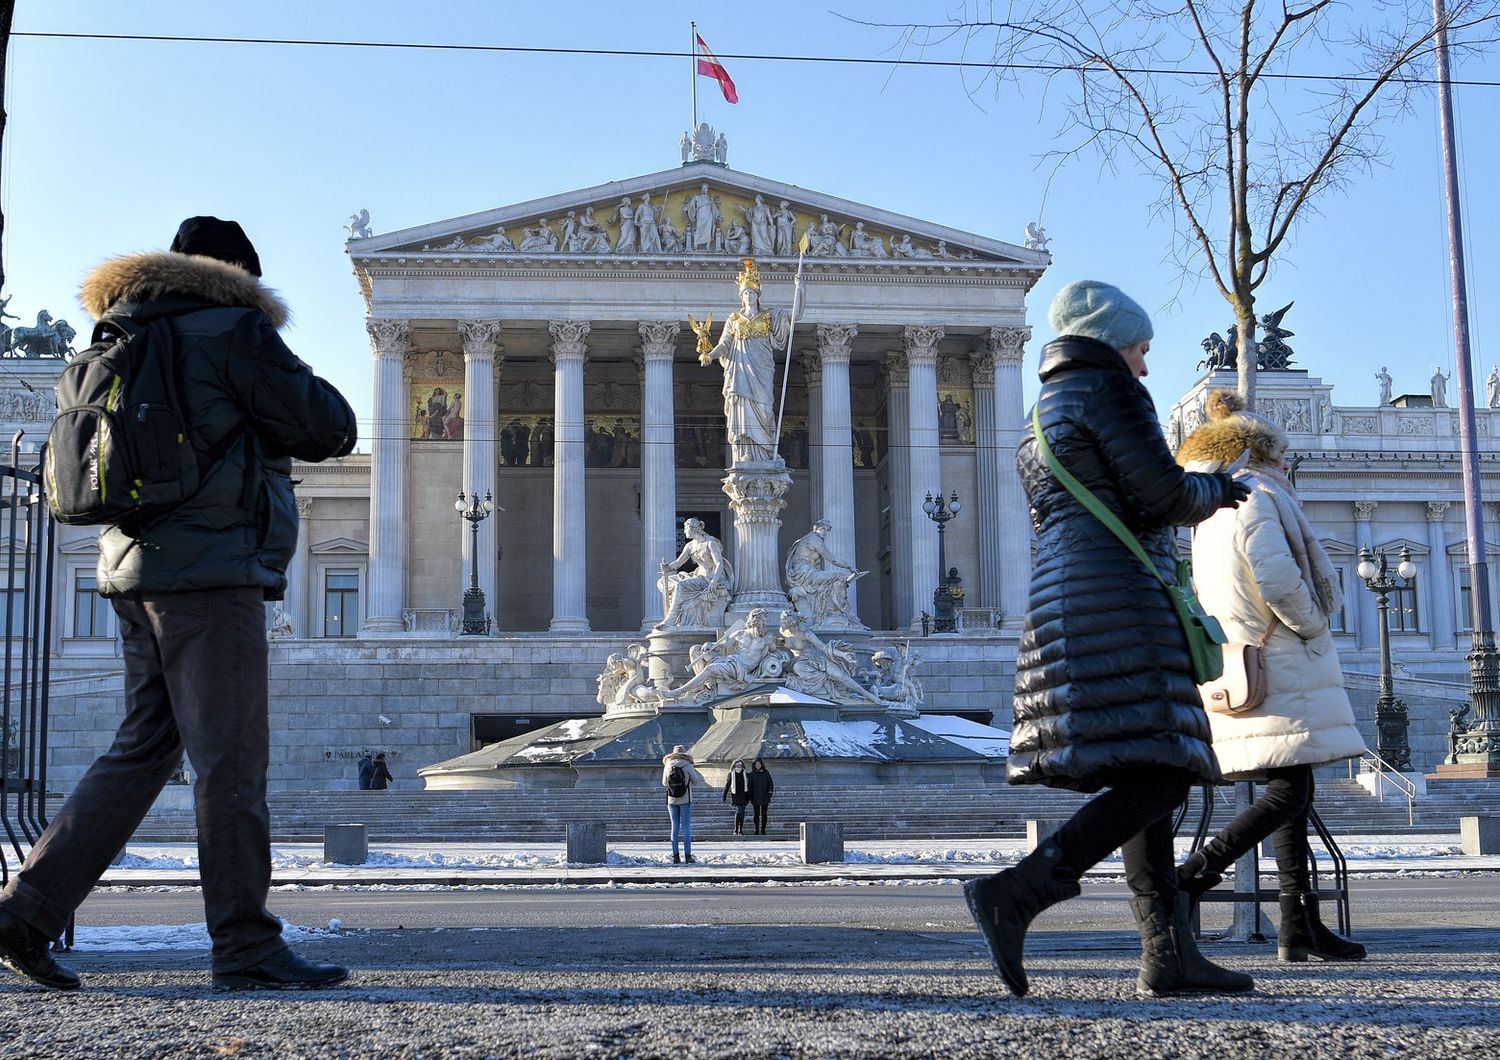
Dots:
pixel 366 771
pixel 189 590
pixel 1105 696
pixel 737 793
pixel 380 774
pixel 761 787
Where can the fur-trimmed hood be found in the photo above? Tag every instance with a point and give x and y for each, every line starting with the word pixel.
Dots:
pixel 1230 431
pixel 158 275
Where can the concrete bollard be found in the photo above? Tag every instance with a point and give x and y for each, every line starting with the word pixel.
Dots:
pixel 1037 831
pixel 345 844
pixel 587 843
pixel 1479 835
pixel 822 842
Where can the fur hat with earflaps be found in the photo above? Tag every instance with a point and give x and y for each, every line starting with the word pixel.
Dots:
pixel 1230 431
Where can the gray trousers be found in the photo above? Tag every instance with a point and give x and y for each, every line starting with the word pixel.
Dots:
pixel 195 678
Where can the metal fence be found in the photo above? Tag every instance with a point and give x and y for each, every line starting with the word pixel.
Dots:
pixel 26 577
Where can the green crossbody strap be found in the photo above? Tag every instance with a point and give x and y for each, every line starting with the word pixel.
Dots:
pixel 1085 497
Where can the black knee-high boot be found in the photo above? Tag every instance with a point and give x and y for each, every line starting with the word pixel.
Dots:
pixel 1005 904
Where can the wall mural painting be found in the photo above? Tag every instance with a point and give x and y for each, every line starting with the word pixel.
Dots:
pixel 526 441
pixel 612 441
pixel 437 411
pixel 869 443
pixel 955 416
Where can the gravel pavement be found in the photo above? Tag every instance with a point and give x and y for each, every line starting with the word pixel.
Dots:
pixel 896 972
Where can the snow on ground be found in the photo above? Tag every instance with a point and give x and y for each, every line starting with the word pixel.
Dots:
pixel 136 937
pixel 749 853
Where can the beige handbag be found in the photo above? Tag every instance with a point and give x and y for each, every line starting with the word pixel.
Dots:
pixel 1242 686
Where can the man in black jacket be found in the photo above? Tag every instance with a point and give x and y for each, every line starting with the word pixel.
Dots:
pixel 189 592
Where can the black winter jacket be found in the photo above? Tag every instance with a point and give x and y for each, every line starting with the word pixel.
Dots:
pixel 247 397
pixel 1104 687
pixel 761 786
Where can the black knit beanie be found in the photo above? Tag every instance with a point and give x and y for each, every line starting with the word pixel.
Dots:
pixel 213 238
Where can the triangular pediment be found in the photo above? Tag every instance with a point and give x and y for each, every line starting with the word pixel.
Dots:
pixel 340 546
pixel 699 210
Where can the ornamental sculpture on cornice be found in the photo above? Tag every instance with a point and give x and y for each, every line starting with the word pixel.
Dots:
pixel 1008 344
pixel 921 342
pixel 568 337
pixel 481 338
pixel 835 340
pixel 659 337
pixel 389 338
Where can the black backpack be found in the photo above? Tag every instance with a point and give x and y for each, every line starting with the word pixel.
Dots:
pixel 677 782
pixel 118 451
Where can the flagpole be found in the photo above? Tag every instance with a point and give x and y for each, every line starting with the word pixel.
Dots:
pixel 791 329
pixel 693 66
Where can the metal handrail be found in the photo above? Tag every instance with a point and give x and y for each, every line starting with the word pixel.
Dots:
pixel 1370 762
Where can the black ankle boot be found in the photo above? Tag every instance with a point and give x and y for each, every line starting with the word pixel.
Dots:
pixel 25 951
pixel 1303 934
pixel 1204 869
pixel 1004 905
pixel 1170 961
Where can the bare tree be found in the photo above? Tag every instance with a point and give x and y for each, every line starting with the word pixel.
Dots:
pixel 1245 112
pixel 7 12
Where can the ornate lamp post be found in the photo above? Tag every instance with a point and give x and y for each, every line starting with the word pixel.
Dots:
pixel 476 511
pixel 1390 712
pixel 940 511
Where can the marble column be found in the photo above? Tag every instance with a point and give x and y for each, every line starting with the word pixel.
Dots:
pixel 1367 634
pixel 925 458
pixel 812 371
pixel 1440 577
pixel 898 481
pixel 658 461
pixel 483 356
pixel 836 442
pixel 387 574
pixel 1013 528
pixel 298 589
pixel 569 530
pixel 987 471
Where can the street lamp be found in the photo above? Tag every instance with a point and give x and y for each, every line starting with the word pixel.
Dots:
pixel 940 511
pixel 476 511
pixel 1390 712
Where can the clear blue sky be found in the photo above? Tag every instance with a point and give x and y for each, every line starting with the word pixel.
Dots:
pixel 110 144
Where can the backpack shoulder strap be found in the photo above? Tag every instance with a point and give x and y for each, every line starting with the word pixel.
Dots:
pixel 1097 508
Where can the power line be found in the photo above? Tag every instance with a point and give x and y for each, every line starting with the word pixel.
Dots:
pixel 631 53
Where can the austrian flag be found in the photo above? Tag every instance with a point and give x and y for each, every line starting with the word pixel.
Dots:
pixel 709 66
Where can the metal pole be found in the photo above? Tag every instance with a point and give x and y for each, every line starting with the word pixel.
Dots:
pixel 1481 745
pixel 693 66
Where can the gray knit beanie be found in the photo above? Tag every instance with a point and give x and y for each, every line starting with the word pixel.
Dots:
pixel 1099 311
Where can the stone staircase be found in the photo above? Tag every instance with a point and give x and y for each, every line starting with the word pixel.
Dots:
pixel 876 813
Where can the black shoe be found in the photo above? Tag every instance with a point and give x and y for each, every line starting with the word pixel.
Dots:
pixel 24 950
pixel 688 858
pixel 1170 961
pixel 1303 934
pixel 1005 904
pixel 675 859
pixel 283 970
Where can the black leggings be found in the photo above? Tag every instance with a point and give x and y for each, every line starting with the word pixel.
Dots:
pixel 1281 813
pixel 762 811
pixel 1136 817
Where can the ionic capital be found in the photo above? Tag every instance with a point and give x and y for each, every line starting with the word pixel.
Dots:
pixel 1008 344
pixel 389 338
pixel 659 338
pixel 921 343
pixel 568 339
pixel 835 342
pixel 481 338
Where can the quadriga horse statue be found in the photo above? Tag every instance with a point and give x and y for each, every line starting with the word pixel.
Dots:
pixel 50 338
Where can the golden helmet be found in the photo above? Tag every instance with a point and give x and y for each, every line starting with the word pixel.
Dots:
pixel 749 276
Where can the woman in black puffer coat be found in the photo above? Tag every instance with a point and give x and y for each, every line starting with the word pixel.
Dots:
pixel 1105 696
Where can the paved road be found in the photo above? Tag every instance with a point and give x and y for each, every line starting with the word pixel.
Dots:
pixel 768 971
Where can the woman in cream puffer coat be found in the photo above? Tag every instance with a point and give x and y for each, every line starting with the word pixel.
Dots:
pixel 1260 571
